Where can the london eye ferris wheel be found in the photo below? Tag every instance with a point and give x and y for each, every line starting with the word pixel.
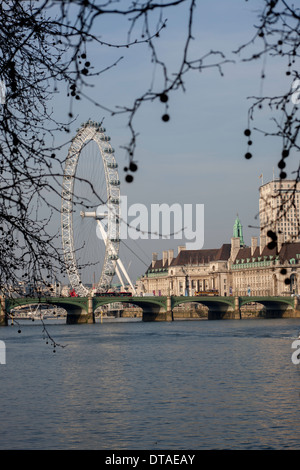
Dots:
pixel 90 212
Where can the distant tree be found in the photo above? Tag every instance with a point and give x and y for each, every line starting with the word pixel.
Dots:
pixel 43 45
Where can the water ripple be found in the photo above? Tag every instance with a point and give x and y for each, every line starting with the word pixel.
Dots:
pixel 135 385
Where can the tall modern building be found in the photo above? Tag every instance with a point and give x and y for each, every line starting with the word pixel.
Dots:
pixel 279 209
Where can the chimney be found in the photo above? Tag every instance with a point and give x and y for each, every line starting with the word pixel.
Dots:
pixel 181 248
pixel 170 256
pixel 280 241
pixel 154 259
pixel 235 247
pixel 263 241
pixel 165 257
pixel 254 242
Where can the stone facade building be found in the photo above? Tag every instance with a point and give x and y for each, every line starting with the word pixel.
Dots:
pixel 189 271
pixel 234 269
pixel 258 270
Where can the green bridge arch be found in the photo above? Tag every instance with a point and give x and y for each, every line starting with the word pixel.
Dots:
pixel 268 301
pixel 218 307
pixel 159 301
pixel 78 308
pixel 206 300
pixel 274 306
pixel 155 308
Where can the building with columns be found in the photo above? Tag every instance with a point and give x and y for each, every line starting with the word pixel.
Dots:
pixel 189 271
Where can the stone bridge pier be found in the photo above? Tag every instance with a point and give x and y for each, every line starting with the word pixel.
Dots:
pixel 3 316
pixel 152 312
pixel 223 312
pixel 77 314
pixel 156 314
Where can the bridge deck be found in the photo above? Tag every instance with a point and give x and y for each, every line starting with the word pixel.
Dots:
pixel 159 301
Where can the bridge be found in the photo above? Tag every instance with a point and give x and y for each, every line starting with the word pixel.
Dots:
pixel 156 308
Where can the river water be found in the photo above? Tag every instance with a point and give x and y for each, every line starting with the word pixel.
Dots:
pixel 118 384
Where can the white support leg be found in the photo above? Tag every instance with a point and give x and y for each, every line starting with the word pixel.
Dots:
pixel 119 262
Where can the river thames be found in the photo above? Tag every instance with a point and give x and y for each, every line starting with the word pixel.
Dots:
pixel 131 385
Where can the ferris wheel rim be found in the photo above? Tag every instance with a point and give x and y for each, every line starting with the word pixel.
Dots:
pixel 91 131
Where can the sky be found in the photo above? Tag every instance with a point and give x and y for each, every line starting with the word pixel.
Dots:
pixel 197 157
